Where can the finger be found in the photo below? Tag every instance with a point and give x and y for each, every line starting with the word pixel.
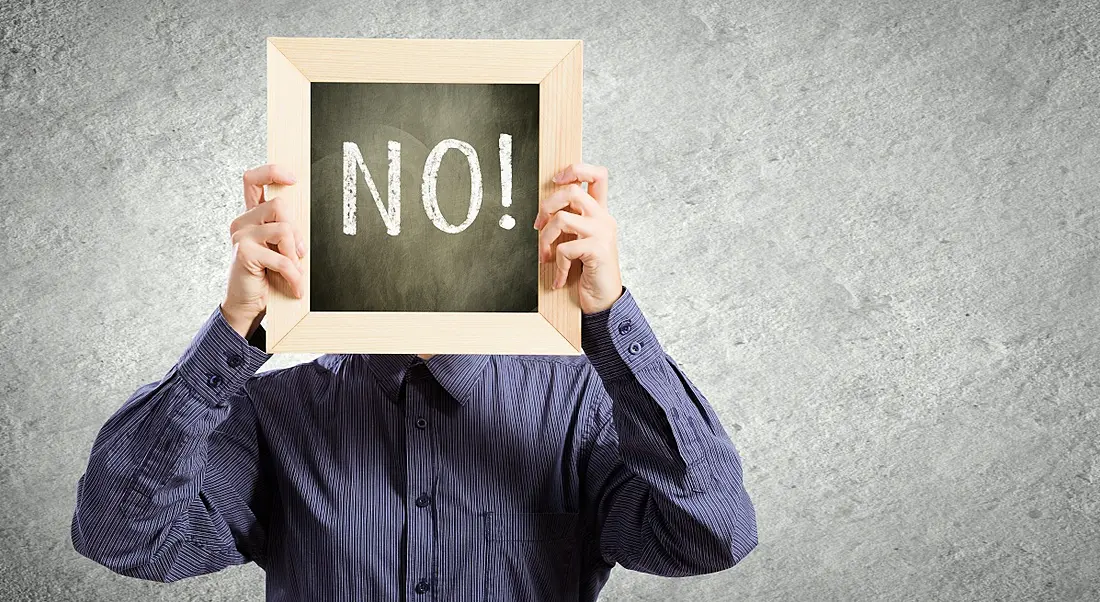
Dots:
pixel 270 260
pixel 595 175
pixel 572 196
pixel 564 222
pixel 257 177
pixel 275 210
pixel 566 254
pixel 283 236
pixel 280 234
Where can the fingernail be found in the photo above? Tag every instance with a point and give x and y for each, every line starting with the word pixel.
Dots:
pixel 293 180
pixel 557 177
pixel 301 249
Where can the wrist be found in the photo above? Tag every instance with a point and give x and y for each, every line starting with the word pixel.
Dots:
pixel 242 322
pixel 604 304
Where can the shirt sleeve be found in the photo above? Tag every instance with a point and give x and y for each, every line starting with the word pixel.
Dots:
pixel 662 474
pixel 173 486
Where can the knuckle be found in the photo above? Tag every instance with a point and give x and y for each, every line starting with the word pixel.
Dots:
pixel 244 250
pixel 292 271
pixel 275 207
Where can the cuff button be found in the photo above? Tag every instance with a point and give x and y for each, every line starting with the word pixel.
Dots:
pixel 625 327
pixel 635 348
pixel 213 380
pixel 233 360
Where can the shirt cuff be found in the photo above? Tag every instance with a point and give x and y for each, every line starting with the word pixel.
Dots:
pixel 219 361
pixel 618 340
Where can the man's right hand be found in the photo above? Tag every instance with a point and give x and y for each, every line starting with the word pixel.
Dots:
pixel 265 238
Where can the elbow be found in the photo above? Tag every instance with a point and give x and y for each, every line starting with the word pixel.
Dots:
pixel 739 545
pixel 734 533
pixel 116 552
pixel 739 531
pixel 719 552
pixel 696 546
pixel 741 537
pixel 145 568
pixel 728 542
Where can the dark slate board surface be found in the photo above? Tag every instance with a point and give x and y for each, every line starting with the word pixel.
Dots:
pixel 485 267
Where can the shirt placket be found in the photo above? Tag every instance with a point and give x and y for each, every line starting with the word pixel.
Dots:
pixel 418 485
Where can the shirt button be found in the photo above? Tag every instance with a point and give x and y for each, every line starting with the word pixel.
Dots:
pixel 423 500
pixel 625 327
pixel 635 347
pixel 213 380
pixel 422 586
pixel 421 423
pixel 233 360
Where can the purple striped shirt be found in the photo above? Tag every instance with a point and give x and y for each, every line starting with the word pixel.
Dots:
pixel 384 477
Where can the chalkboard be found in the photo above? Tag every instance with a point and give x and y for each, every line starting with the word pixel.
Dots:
pixel 420 165
pixel 431 249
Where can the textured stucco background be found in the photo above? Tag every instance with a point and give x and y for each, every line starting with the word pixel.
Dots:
pixel 867 229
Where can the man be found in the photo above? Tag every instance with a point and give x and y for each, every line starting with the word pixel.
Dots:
pixel 446 477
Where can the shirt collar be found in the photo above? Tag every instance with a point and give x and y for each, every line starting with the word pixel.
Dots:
pixel 457 373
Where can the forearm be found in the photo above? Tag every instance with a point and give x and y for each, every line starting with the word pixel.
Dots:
pixel 137 501
pixel 680 506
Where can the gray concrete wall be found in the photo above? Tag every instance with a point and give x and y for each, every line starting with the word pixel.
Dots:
pixel 867 229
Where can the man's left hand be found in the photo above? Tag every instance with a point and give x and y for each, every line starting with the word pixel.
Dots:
pixel 573 210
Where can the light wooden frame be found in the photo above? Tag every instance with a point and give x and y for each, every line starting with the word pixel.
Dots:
pixel 294 63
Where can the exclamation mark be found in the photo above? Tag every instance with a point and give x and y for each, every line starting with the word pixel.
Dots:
pixel 505 144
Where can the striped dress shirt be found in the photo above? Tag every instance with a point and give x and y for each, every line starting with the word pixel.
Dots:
pixel 384 477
